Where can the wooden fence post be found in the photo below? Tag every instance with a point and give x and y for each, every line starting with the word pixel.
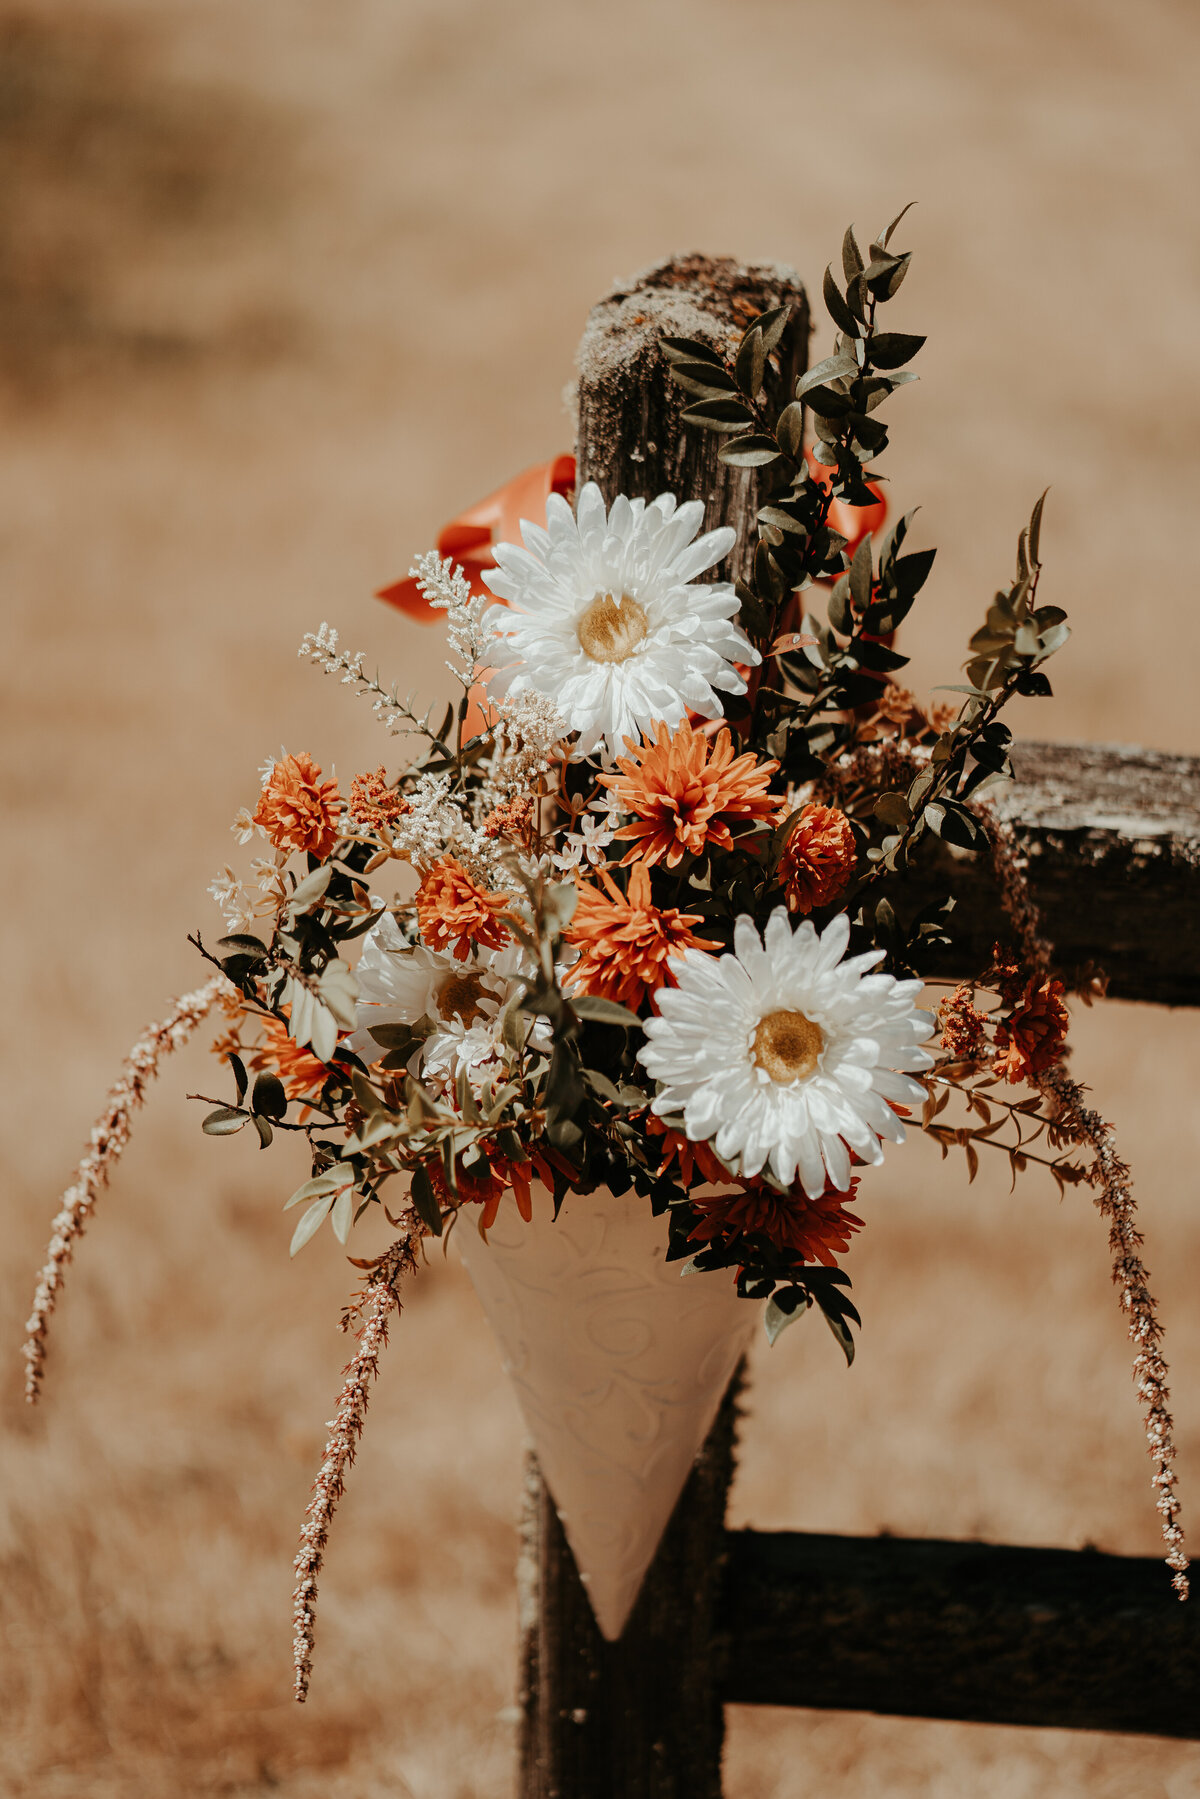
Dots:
pixel 642 1718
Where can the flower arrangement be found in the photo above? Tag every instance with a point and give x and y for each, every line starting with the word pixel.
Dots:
pixel 632 914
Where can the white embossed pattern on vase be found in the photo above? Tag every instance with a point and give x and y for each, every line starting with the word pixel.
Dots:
pixel 619 1365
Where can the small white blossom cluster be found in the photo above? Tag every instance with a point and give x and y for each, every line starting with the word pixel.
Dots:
pixel 446 588
pixel 588 844
pixel 239 905
pixel 395 714
pixel 528 729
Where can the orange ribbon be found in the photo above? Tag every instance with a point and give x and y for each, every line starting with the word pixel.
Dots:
pixel 471 538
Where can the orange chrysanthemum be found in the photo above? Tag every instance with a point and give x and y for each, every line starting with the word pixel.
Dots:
pixel 818 861
pixel 298 810
pixel 693 1158
pixel 1030 1041
pixel 299 1070
pixel 373 802
pixel 486 1189
pixel 686 790
pixel 625 939
pixel 454 909
pixel 813 1230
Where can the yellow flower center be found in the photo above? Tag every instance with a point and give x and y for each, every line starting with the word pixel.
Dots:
pixel 787 1046
pixel 612 629
pixel 459 997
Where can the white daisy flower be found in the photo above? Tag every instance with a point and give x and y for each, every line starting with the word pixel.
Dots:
pixel 608 622
pixel 399 984
pixel 786 1057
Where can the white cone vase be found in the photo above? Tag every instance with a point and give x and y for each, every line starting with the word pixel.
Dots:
pixel 619 1364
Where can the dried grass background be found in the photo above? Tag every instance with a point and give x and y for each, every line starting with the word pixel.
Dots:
pixel 280 288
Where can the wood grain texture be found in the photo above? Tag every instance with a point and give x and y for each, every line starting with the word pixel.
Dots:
pixel 988 1634
pixel 1112 836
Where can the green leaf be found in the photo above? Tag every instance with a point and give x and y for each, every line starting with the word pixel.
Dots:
pixel 310 1223
pixel 719 415
pixel 223 1122
pixel 750 451
pixel 886 239
pixel 342 1215
pixel 750 365
pixel 605 1011
pixel 687 349
pixel 841 1333
pixel 837 308
pixel 1035 530
pixel 852 260
pixel 782 1309
pixel 309 891
pixel 265 1133
pixel 892 809
pixel 241 943
pixel 329 1183
pixel 773 324
pixel 268 1097
pixel 424 1201
pixel 240 1076
pixel 339 992
pixel 892 349
pixel 834 368
pixel 860 574
pixel 789 429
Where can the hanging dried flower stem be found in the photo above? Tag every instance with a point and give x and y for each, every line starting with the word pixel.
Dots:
pixel 1076 1123
pixel 110 1134
pixel 379 1299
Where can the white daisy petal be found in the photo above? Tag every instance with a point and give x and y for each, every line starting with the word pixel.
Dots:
pixel 604 617
pixel 787 1053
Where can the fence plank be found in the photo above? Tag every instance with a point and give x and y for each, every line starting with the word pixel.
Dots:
pixel 988 1634
pixel 1112 835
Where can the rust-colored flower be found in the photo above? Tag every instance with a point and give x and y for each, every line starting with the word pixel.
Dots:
pixel 964 1031
pixel 298 810
pixel 300 1071
pixel 486 1187
pixel 625 940
pixel 514 820
pixel 687 791
pixel 1030 1040
pixel 373 803
pixel 454 909
pixel 818 861
pixel 813 1230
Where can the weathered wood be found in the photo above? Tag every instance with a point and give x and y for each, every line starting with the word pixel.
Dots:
pixel 629 437
pixel 1112 835
pixel 992 1635
pixel 640 1718
pixel 643 1717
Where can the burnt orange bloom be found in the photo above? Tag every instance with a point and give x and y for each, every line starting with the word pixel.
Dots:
pixel 298 810
pixel 625 939
pixel 686 790
pixel 1031 1039
pixel 813 1230
pixel 964 1026
pixel 818 862
pixel 454 909
pixel 486 1188
pixel 294 1063
pixel 373 802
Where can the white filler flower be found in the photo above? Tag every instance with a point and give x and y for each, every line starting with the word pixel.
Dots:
pixel 786 1056
pixel 399 984
pixel 607 621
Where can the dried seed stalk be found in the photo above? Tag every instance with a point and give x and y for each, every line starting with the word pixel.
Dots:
pixel 110 1134
pixel 380 1300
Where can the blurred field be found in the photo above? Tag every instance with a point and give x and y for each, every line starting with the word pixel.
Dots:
pixel 281 288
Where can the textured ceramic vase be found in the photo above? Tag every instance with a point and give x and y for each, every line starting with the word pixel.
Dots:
pixel 619 1364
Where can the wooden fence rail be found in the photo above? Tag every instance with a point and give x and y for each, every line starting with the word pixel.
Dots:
pixel 924 1629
